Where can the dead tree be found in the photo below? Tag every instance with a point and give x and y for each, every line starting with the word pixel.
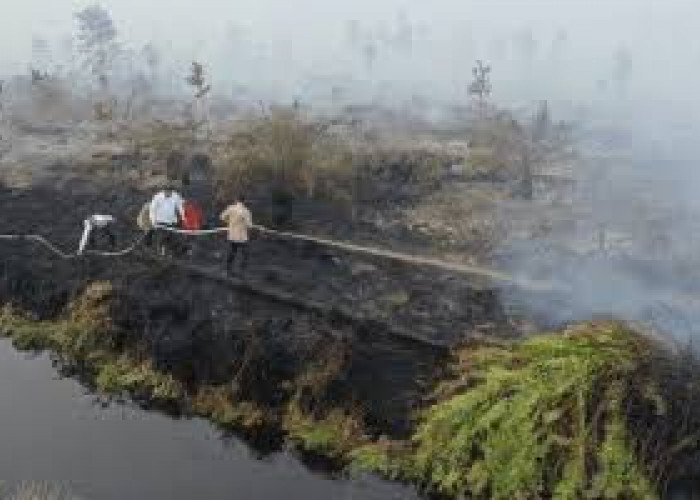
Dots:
pixel 197 80
pixel 622 70
pixel 2 87
pixel 480 87
pixel 527 189
pixel 541 122
pixel 97 38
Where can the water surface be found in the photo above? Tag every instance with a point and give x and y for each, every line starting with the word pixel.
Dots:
pixel 51 429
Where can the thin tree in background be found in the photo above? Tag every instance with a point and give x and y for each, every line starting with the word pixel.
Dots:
pixel 198 81
pixel 541 122
pixel 370 53
pixel 559 47
pixel 622 69
pixel 527 45
pixel 66 53
pixel 2 88
pixel 152 58
pixel 41 55
pixel 480 87
pixel 97 42
pixel 353 33
pixel 403 37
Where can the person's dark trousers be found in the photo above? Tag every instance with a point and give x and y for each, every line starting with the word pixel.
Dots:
pixel 166 240
pixel 237 249
pixel 107 232
pixel 102 233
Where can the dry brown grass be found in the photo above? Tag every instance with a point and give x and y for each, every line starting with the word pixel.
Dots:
pixel 220 405
pixel 284 152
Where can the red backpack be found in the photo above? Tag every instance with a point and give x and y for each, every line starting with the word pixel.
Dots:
pixel 193 217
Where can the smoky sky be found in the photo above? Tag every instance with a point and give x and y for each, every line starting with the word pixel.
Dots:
pixel 567 50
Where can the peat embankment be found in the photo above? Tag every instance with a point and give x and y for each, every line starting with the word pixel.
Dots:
pixel 338 353
pixel 324 330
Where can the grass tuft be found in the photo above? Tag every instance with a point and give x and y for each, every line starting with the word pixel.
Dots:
pixel 218 405
pixel 334 435
pixel 124 375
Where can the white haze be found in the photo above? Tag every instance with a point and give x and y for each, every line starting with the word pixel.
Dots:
pixel 278 46
pixel 282 50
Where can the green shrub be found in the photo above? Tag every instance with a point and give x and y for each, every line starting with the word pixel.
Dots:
pixel 333 435
pixel 26 334
pixel 390 459
pixel 543 416
pixel 124 375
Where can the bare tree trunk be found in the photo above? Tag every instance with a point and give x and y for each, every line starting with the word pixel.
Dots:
pixel 602 238
pixel 526 183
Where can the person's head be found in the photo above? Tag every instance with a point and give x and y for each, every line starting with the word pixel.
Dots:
pixel 168 191
pixel 238 198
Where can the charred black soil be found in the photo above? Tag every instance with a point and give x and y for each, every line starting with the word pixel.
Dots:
pixel 358 361
pixel 377 332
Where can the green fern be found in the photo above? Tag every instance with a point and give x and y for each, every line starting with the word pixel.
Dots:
pixel 518 422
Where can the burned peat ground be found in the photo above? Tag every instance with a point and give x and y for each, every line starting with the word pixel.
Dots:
pixel 382 330
pixel 409 371
pixel 370 364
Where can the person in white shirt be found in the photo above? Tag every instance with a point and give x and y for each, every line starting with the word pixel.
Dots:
pixel 100 222
pixel 166 210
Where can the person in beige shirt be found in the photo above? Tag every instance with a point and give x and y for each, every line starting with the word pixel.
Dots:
pixel 239 220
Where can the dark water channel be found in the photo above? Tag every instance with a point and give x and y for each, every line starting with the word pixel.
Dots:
pixel 51 430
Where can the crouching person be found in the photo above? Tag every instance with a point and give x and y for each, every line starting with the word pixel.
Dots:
pixel 96 224
pixel 239 221
pixel 143 221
